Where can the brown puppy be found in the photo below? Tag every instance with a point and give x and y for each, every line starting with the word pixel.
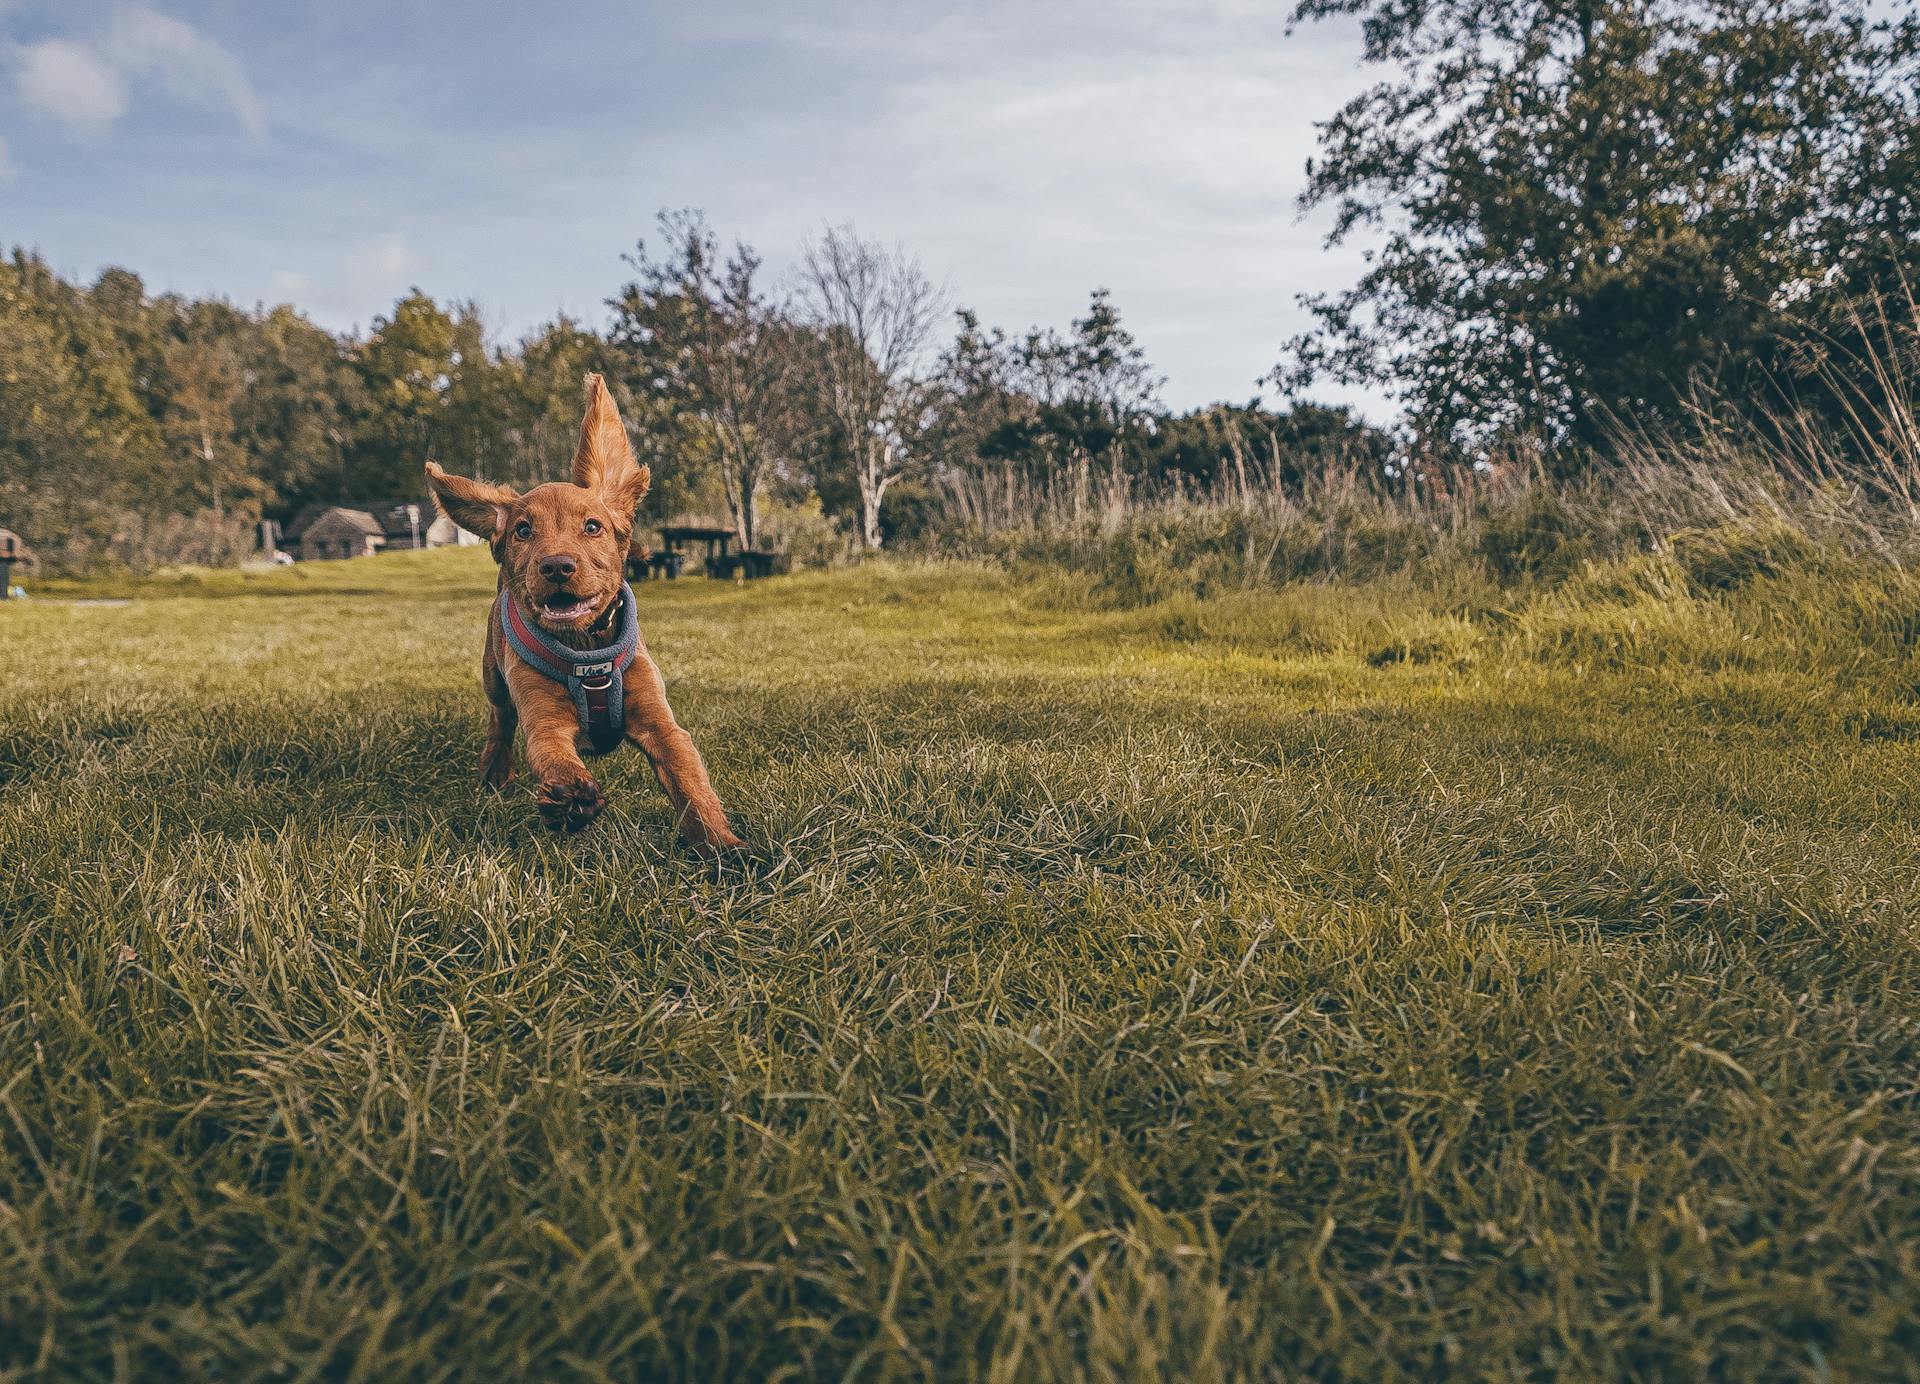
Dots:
pixel 561 549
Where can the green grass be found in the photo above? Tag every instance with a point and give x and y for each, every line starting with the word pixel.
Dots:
pixel 1358 982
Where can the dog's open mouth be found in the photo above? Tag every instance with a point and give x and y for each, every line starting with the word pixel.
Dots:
pixel 564 608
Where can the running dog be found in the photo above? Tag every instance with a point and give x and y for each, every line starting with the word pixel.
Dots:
pixel 563 655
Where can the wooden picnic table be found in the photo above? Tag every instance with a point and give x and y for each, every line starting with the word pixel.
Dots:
pixel 674 539
pixel 12 550
pixel 677 541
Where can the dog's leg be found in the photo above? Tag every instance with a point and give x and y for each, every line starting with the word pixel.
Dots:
pixel 676 763
pixel 496 761
pixel 569 798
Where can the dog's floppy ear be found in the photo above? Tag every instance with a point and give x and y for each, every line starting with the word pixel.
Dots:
pixel 604 460
pixel 477 506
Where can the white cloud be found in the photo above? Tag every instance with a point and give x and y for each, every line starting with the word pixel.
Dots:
pixel 1032 152
pixel 7 173
pixel 364 281
pixel 290 286
pixel 385 260
pixel 84 83
pixel 191 66
pixel 71 83
pixel 1026 152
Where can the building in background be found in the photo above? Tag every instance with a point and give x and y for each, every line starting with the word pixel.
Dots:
pixel 379 526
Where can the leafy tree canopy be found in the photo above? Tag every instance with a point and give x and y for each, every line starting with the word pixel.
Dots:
pixel 1586 207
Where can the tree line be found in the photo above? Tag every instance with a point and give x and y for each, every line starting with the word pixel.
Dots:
pixel 146 428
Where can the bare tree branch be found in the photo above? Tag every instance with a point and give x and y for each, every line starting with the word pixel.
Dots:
pixel 875 311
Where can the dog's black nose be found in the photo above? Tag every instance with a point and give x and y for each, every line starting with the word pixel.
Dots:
pixel 558 568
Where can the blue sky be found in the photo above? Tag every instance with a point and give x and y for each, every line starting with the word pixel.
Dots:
pixel 334 155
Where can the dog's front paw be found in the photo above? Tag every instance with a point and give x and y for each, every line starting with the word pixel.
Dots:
pixel 569 804
pixel 712 843
pixel 496 774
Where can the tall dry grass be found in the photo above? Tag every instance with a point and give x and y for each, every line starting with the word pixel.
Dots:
pixel 1748 478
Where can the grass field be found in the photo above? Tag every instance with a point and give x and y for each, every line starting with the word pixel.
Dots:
pixel 1338 982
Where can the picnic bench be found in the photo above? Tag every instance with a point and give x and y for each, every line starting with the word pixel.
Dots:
pixel 749 563
pixel 677 542
pixel 12 550
pixel 642 565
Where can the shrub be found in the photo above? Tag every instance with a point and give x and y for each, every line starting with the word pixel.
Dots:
pixel 1539 535
pixel 805 533
pixel 1728 556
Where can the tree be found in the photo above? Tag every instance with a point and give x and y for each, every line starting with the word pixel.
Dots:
pixel 1109 369
pixel 1588 206
pixel 408 367
pixel 702 335
pixel 541 381
pixel 296 418
pixel 79 451
pixel 205 381
pixel 1016 423
pixel 1042 409
pixel 1100 392
pixel 873 310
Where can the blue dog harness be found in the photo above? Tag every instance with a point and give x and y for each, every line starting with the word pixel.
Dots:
pixel 595 678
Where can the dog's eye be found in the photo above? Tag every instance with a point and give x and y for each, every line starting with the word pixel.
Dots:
pixel 523 529
pixel 593 526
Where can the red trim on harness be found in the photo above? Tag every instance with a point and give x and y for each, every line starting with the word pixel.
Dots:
pixel 552 670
